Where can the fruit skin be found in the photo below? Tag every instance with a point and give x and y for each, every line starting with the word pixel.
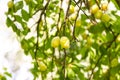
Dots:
pixel 65 43
pixel 105 18
pixel 114 62
pixel 94 9
pixel 10 4
pixel 98 14
pixel 118 39
pixel 72 9
pixel 78 23
pixel 55 42
pixel 113 78
pixel 42 66
pixel 104 6
pixel 73 16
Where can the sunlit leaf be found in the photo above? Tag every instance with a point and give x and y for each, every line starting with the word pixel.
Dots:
pixel 18 5
pixel 25 15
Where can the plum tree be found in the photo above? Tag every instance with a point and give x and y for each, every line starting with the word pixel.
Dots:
pixel 81 33
pixel 78 23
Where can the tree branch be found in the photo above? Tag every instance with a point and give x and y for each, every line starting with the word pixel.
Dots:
pixel 59 17
pixel 76 20
pixel 37 43
pixel 64 64
pixel 107 48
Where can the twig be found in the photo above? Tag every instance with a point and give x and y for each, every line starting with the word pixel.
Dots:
pixel 52 63
pixel 92 21
pixel 37 43
pixel 97 3
pixel 64 64
pixel 66 17
pixel 74 37
pixel 59 17
pixel 110 44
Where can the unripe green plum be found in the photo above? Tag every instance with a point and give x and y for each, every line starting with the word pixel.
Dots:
pixel 118 39
pixel 105 18
pixel 72 9
pixel 78 23
pixel 55 42
pixel 73 16
pixel 94 9
pixel 65 43
pixel 42 66
pixel 10 4
pixel 98 14
pixel 114 62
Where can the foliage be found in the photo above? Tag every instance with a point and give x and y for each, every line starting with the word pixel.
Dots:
pixel 94 43
pixel 5 74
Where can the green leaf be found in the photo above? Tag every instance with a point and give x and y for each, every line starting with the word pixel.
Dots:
pixel 32 8
pixel 34 71
pixel 96 75
pixel 79 30
pixel 116 26
pixel 18 18
pixel 98 28
pixel 84 52
pixel 103 50
pixel 80 74
pixel 109 36
pixel 39 4
pixel 39 1
pixel 18 5
pixel 115 70
pixel 15 29
pixel 8 74
pixel 26 30
pixel 25 15
pixel 115 3
pixel 3 78
pixel 83 19
pixel 25 46
pixel 9 22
